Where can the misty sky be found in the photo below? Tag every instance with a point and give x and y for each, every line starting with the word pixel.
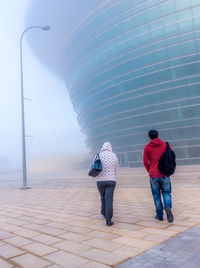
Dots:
pixel 50 118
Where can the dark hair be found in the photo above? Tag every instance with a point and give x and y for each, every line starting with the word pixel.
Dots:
pixel 153 134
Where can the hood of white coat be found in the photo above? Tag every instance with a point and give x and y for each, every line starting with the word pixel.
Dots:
pixel 106 147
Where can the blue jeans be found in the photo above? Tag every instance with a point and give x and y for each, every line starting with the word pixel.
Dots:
pixel 158 185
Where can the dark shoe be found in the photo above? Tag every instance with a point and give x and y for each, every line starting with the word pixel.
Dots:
pixel 170 216
pixel 159 218
pixel 109 223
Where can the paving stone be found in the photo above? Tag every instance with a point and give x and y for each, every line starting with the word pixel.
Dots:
pixel 184 223
pixel 156 238
pixel 93 264
pixel 121 225
pixel 8 251
pixel 39 221
pixel 78 230
pixel 102 235
pixel 25 218
pixel 74 237
pixel 4 235
pixel 11 228
pixel 138 243
pixel 5 264
pixel 177 228
pixel 18 222
pixel 47 239
pixel 131 233
pixel 27 233
pixel 160 225
pixel 160 231
pixel 51 231
pixel 71 246
pixel 18 241
pixel 129 251
pixel 58 225
pixel 66 260
pixel 30 261
pixel 33 226
pixel 102 244
pixel 39 249
pixel 104 257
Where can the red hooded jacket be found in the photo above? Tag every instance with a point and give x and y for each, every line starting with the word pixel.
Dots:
pixel 152 152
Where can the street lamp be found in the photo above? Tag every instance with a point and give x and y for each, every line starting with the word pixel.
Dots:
pixel 45 28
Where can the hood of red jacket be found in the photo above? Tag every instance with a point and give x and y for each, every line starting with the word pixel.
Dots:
pixel 155 143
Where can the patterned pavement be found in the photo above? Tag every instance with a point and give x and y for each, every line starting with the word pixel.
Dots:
pixel 57 223
pixel 181 251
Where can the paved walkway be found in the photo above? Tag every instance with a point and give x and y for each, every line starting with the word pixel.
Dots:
pixel 57 222
pixel 181 251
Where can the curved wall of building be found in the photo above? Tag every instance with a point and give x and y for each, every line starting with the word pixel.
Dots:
pixel 135 65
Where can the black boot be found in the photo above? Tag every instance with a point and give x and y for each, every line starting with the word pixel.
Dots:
pixel 109 223
pixel 160 218
pixel 170 216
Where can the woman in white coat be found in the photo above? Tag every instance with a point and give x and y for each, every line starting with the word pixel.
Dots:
pixel 106 181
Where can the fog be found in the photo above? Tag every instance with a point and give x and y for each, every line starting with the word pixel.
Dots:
pixel 63 17
pixel 54 139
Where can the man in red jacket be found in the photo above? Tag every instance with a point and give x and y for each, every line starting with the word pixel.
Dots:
pixel 159 182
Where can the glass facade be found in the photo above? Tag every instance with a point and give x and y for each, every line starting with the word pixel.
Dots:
pixel 134 65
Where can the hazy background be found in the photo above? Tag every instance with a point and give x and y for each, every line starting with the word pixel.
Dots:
pixel 57 141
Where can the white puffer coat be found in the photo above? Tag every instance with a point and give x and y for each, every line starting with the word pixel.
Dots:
pixel 109 163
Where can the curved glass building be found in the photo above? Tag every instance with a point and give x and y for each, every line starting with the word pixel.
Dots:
pixel 134 65
pixel 131 66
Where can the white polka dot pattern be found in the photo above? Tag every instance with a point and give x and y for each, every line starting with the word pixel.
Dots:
pixel 109 163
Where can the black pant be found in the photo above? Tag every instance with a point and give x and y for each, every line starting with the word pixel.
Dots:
pixel 106 190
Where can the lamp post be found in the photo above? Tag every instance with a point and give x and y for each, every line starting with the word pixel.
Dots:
pixel 45 28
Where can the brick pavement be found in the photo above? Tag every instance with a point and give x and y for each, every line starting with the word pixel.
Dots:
pixel 57 222
pixel 180 251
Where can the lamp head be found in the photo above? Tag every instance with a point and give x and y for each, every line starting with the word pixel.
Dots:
pixel 46 28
